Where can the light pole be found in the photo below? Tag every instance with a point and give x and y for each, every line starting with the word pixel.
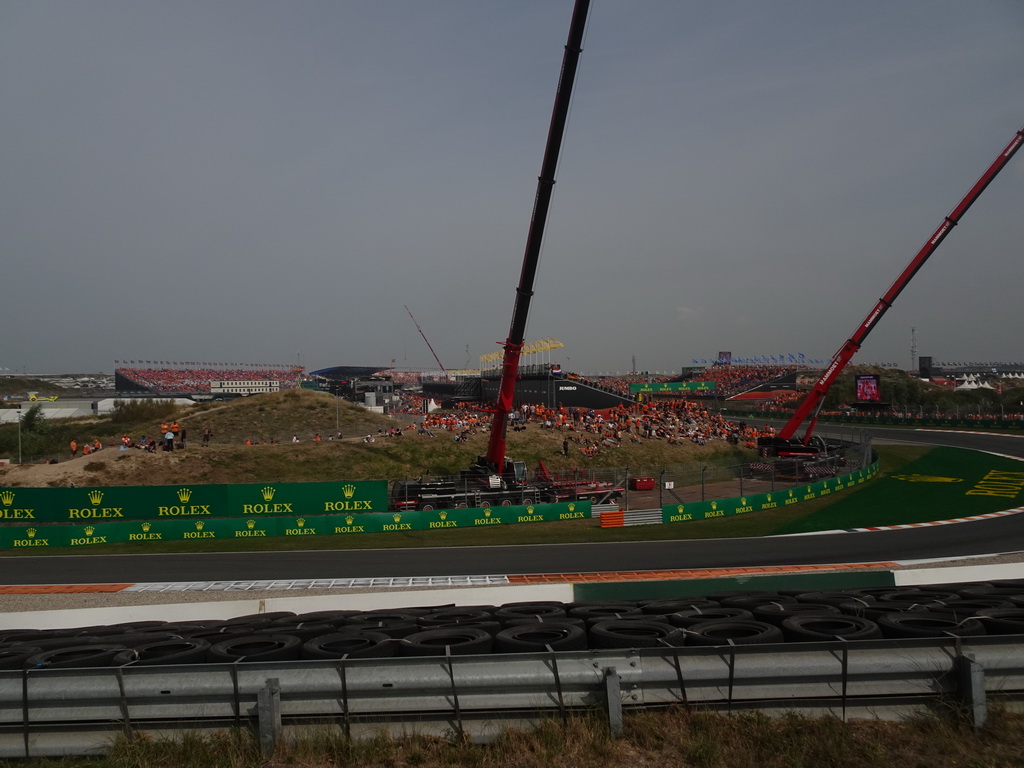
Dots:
pixel 19 435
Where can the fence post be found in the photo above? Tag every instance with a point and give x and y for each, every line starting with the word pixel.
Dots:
pixel 613 697
pixel 661 488
pixel 702 471
pixel 268 715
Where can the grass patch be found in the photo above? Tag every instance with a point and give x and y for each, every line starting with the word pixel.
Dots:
pixel 676 737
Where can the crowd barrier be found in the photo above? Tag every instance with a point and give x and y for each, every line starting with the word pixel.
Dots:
pixel 756 502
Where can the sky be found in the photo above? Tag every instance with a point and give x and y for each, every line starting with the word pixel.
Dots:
pixel 265 182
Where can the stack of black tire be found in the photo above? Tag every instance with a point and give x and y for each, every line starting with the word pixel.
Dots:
pixel 722 618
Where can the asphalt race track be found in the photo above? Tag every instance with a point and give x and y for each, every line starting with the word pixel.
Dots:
pixel 992 536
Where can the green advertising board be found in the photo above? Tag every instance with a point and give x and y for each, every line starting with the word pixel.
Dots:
pixel 189 501
pixel 707 510
pixel 22 535
pixel 675 386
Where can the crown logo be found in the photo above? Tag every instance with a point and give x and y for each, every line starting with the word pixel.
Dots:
pixel 146 526
pixel 572 506
pixel 7 497
pixel 396 517
pixel 184 494
pixel 90 530
pixel 679 508
pixel 95 496
pixel 487 512
pixel 250 523
pixel 529 509
pixel 31 533
pixel 791 492
pixel 443 514
pixel 267 493
pixel 300 522
pixel 349 519
pixel 743 501
pixel 200 524
pixel 768 496
pixel 808 489
pixel 714 505
pixel 348 490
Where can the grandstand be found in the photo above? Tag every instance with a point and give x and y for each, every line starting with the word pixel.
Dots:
pixel 203 379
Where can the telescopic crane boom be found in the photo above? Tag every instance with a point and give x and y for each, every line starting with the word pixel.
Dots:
pixel 846 352
pixel 495 457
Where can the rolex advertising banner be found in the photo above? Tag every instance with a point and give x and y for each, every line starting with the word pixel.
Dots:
pixel 707 510
pixel 264 524
pixel 192 501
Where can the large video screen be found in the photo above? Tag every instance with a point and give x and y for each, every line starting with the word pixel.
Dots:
pixel 868 389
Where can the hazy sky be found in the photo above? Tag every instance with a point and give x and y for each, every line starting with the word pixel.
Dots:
pixel 260 181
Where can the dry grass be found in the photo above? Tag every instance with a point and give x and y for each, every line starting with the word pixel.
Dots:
pixel 678 737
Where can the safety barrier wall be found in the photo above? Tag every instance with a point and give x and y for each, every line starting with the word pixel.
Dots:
pixel 925 422
pixel 253 526
pixel 191 500
pixel 756 502
pixel 53 712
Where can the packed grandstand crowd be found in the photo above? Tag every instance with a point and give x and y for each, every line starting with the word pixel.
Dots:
pixel 189 381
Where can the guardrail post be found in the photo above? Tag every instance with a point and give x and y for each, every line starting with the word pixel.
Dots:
pixel 613 697
pixel 268 715
pixel 970 678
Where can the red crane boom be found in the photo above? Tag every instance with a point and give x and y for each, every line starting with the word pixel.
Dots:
pixel 817 394
pixel 495 457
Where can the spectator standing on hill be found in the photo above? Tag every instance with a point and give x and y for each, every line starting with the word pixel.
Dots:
pixel 74 448
pixel 182 436
pixel 168 440
pixel 207 434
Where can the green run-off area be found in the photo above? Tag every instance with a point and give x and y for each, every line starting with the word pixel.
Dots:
pixel 942 484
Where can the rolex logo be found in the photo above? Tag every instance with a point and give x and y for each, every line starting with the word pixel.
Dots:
pixel 679 508
pixel 7 497
pixel 572 506
pixel 90 530
pixel 443 514
pixel 250 523
pixel 95 496
pixel 31 533
pixel 184 494
pixel 348 490
pixel 146 527
pixel 714 505
pixel 200 524
pixel 487 512
pixel 529 509
pixel 768 496
pixel 267 493
pixel 300 522
pixel 396 517
pixel 791 492
pixel 349 519
pixel 809 489
pixel 743 501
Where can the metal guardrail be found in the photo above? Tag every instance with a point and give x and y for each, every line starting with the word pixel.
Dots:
pixel 52 712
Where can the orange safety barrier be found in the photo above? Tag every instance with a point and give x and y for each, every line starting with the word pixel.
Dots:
pixel 613 519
